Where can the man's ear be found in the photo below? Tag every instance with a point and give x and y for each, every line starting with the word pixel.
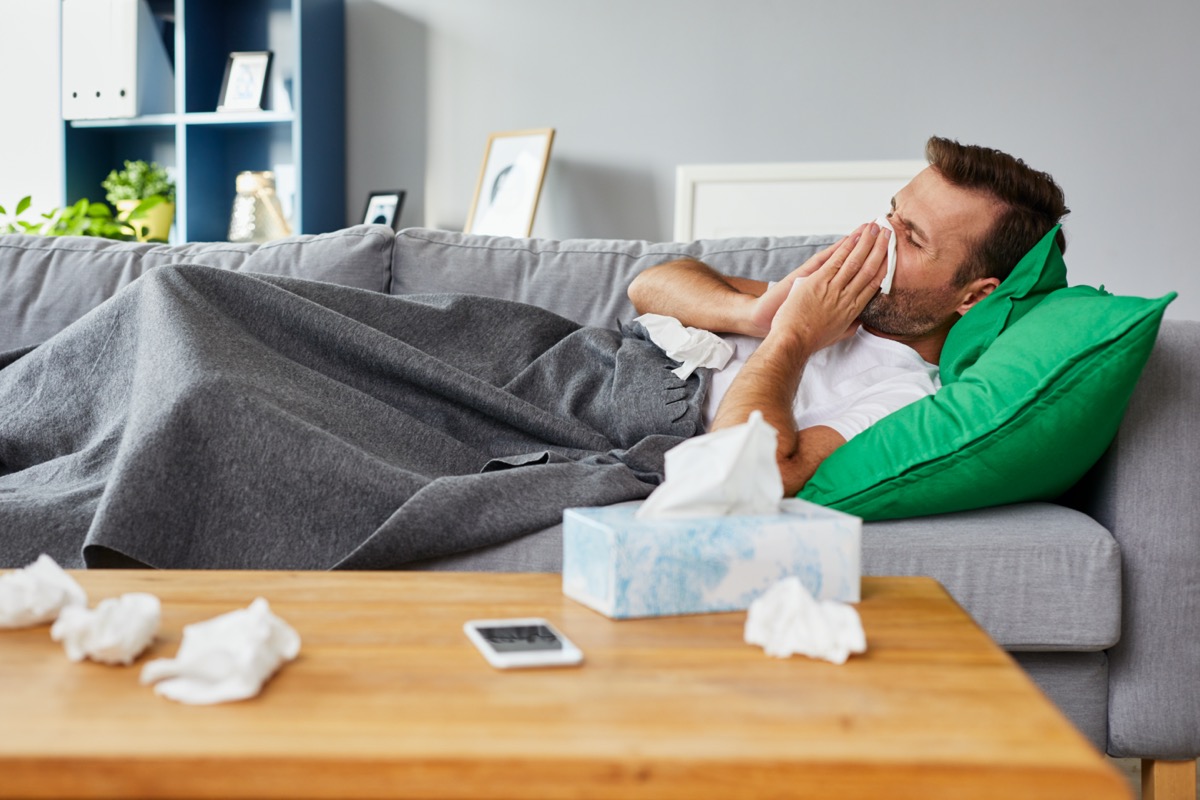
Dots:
pixel 975 291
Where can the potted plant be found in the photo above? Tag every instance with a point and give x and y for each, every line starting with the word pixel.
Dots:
pixel 82 218
pixel 143 192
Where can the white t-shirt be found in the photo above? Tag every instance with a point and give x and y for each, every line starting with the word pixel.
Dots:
pixel 847 386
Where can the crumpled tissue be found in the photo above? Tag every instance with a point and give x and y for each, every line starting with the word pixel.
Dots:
pixel 225 658
pixel 115 632
pixel 886 287
pixel 37 594
pixel 693 347
pixel 730 471
pixel 786 620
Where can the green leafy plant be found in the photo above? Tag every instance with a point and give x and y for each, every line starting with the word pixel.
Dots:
pixel 14 223
pixel 83 218
pixel 139 181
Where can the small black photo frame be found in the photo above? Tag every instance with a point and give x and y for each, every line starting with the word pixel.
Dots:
pixel 383 208
pixel 245 82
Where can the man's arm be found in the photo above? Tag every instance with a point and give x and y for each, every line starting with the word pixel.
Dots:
pixel 814 314
pixel 697 295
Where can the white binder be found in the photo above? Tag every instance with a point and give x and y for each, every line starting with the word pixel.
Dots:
pixel 114 63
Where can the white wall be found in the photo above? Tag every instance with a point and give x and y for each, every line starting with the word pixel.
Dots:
pixel 30 128
pixel 1098 92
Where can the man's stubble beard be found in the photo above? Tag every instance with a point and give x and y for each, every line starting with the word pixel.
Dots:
pixel 907 312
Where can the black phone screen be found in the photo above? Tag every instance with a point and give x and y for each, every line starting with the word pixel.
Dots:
pixel 520 638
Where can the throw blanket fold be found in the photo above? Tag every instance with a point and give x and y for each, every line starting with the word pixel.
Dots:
pixel 210 419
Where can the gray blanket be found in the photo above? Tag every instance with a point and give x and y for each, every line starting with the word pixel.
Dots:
pixel 210 419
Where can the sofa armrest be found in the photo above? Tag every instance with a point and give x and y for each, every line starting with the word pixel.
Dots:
pixel 1145 492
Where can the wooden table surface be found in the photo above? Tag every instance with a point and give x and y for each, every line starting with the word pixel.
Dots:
pixel 389 699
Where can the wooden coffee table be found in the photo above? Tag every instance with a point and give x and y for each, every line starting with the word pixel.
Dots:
pixel 390 699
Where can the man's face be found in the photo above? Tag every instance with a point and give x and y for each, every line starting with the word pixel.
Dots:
pixel 936 225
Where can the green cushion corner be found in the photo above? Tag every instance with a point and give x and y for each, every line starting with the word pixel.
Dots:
pixel 1039 273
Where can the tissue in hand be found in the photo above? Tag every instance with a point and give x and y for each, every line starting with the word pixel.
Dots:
pixel 730 471
pixel 225 658
pixel 693 347
pixel 37 594
pixel 115 632
pixel 787 620
pixel 883 222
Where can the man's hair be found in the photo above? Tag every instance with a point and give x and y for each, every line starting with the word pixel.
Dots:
pixel 1032 204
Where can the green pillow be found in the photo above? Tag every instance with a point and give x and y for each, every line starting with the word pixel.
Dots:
pixel 1025 422
pixel 1039 273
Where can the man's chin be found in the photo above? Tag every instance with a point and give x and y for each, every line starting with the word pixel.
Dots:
pixel 880 316
pixel 894 315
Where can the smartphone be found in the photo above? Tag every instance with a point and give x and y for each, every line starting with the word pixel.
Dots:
pixel 524 642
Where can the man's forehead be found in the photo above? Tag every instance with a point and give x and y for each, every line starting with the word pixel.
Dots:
pixel 935 207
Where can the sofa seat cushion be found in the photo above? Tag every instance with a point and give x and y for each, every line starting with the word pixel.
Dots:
pixel 1035 576
pixel 46 283
pixel 584 280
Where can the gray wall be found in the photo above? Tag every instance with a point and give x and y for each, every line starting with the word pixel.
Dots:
pixel 1100 94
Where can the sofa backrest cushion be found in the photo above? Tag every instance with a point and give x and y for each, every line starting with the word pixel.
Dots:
pixel 582 279
pixel 1026 421
pixel 46 283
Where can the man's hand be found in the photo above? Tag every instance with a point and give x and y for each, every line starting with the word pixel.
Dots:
pixel 823 308
pixel 815 312
pixel 764 310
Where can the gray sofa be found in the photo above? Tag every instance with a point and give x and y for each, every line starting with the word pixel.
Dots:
pixel 1097 596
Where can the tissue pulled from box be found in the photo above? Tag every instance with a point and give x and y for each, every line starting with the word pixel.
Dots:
pixel 692 347
pixel 37 594
pixel 226 658
pixel 886 286
pixel 730 471
pixel 787 620
pixel 115 632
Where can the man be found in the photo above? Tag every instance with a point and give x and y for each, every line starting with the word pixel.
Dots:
pixel 203 418
pixel 961 225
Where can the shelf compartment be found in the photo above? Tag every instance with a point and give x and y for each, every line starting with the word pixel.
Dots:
pixel 227 26
pixel 93 151
pixel 215 155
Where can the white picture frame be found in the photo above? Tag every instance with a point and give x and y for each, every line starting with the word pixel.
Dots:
pixel 244 86
pixel 383 208
pixel 717 201
pixel 510 183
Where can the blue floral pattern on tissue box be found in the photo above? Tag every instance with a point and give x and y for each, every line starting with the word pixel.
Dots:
pixel 625 567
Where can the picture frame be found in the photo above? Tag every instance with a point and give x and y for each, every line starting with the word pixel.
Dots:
pixel 383 208
pixel 510 182
pixel 717 201
pixel 244 86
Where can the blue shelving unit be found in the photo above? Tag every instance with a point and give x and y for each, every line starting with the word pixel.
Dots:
pixel 205 148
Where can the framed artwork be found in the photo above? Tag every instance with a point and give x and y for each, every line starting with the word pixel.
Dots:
pixel 383 208
pixel 715 201
pixel 245 82
pixel 510 182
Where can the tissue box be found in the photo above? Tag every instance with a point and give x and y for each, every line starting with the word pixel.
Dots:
pixel 624 567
